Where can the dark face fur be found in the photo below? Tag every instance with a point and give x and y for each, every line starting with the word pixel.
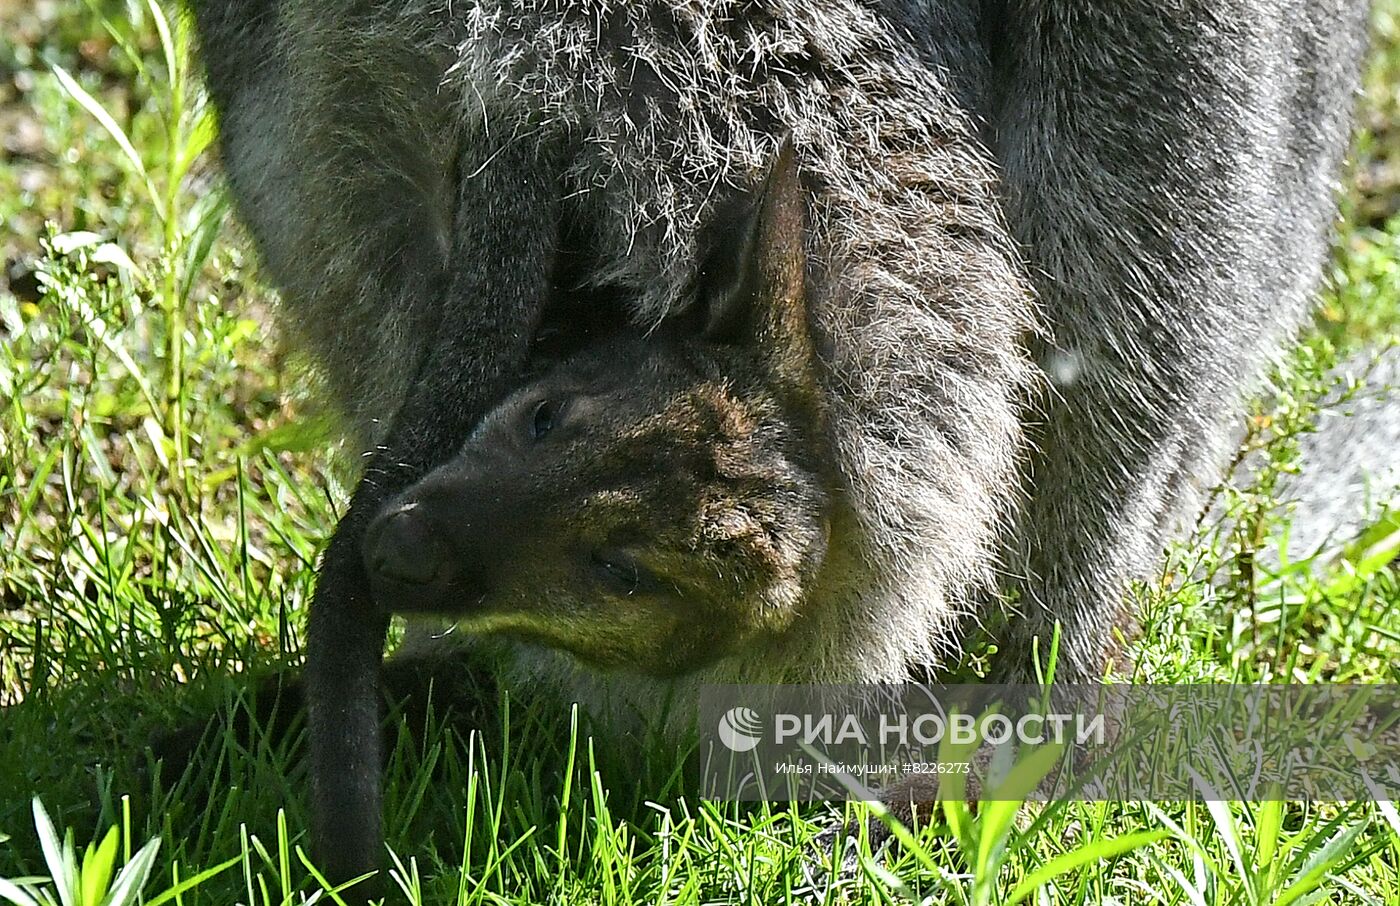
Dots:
pixel 652 502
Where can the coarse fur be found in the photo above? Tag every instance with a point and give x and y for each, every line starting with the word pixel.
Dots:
pixel 1171 170
pixel 919 302
pixel 1045 247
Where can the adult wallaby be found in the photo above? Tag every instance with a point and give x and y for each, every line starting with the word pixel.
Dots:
pixel 980 326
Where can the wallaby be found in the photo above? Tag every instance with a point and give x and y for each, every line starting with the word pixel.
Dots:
pixel 979 326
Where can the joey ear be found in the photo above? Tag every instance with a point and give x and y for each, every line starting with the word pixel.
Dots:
pixel 751 288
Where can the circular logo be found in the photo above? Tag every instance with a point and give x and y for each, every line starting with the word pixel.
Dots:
pixel 740 729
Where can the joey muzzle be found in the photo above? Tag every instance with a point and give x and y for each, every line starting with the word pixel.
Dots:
pixel 411 567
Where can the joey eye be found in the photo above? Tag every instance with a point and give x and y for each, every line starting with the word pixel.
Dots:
pixel 617 570
pixel 542 420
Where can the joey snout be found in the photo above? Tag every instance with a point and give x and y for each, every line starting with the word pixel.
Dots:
pixel 413 567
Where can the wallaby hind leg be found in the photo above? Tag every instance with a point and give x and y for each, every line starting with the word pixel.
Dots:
pixel 1169 170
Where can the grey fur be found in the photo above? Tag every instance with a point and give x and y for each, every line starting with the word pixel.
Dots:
pixel 1131 197
pixel 1171 168
pixel 1348 474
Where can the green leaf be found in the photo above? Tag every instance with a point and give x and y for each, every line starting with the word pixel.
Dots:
pixel 115 255
pixel 1026 774
pixel 1092 852
pixel 15 894
pixel 126 891
pixel 1319 864
pixel 200 137
pixel 167 42
pixel 994 826
pixel 206 230
pixel 90 104
pixel 1384 805
pixel 1225 827
pixel 1268 825
pixel 192 882
pixel 61 862
pixel 98 864
pixel 70 242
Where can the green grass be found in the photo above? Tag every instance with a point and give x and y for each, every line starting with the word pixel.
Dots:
pixel 164 492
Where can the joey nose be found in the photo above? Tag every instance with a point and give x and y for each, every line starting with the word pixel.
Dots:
pixel 400 547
